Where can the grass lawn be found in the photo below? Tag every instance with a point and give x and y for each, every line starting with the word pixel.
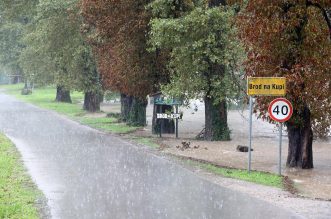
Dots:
pixel 18 194
pixel 257 177
pixel 110 124
pixel 44 98
pixel 146 141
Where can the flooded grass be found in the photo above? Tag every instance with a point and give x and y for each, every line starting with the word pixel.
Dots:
pixel 18 195
pixel 263 178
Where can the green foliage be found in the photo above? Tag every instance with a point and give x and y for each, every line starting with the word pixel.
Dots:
pixel 137 113
pixel 173 8
pixel 14 20
pixel 10 34
pixel 18 194
pixel 204 51
pixel 56 50
pixel 110 95
pixel 42 39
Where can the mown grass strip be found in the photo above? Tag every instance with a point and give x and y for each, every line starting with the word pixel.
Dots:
pixel 262 178
pixel 18 195
pixel 118 128
pixel 44 97
pixel 146 141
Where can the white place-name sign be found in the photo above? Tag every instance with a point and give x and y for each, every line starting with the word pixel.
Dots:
pixel 167 116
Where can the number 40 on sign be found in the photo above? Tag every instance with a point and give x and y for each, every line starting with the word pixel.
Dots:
pixel 280 110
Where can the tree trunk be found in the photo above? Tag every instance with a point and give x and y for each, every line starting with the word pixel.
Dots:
pixel 126 103
pixel 26 90
pixel 216 125
pixel 137 114
pixel 62 95
pixel 168 124
pixel 300 151
pixel 133 110
pixel 92 101
pixel 16 79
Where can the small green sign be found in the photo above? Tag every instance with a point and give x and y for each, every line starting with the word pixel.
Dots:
pixel 166 101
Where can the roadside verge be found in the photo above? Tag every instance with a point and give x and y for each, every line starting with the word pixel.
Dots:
pixel 19 197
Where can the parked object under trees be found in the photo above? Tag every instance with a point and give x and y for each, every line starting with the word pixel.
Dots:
pixel 168 125
pixel 292 39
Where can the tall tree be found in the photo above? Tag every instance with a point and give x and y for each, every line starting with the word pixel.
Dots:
pixel 204 55
pixel 292 39
pixel 56 51
pixel 118 32
pixel 14 19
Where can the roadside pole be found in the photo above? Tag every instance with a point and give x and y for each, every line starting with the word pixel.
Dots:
pixel 161 123
pixel 250 133
pixel 161 116
pixel 176 122
pixel 280 149
pixel 280 110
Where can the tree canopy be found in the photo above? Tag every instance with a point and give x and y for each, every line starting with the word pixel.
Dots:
pixel 204 55
pixel 292 39
pixel 118 32
pixel 14 18
pixel 56 47
pixel 199 40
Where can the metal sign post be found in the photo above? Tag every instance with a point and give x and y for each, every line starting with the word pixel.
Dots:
pixel 162 116
pixel 177 122
pixel 263 86
pixel 250 132
pixel 280 110
pixel 280 149
pixel 161 123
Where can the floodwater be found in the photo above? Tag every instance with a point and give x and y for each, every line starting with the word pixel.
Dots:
pixel 313 183
pixel 86 174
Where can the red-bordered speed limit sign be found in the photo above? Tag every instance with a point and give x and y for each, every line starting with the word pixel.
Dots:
pixel 280 110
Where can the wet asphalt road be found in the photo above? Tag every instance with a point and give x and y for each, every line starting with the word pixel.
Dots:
pixel 86 174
